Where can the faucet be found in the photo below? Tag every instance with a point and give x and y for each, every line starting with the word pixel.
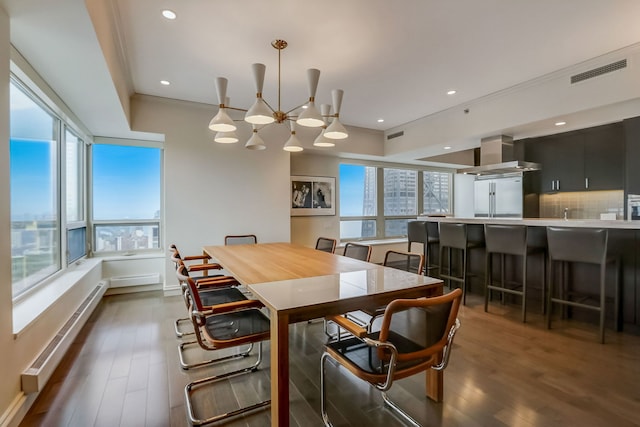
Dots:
pixel 566 214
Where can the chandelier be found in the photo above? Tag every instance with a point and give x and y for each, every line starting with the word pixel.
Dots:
pixel 262 114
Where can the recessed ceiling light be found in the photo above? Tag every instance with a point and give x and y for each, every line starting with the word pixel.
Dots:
pixel 561 123
pixel 169 14
pixel 165 82
pixel 380 120
pixel 451 92
pixel 447 147
pixel 304 107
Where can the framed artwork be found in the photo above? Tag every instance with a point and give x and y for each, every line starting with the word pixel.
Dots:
pixel 313 195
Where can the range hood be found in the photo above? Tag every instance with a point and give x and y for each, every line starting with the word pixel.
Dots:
pixel 496 154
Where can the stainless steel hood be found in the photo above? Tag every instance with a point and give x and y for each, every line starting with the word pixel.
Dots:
pixel 496 153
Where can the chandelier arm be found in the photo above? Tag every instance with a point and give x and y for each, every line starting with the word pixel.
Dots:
pixel 295 108
pixel 236 108
pixel 269 105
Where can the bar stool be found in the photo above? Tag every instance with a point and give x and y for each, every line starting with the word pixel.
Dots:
pixel 417 233
pixel 433 240
pixel 588 246
pixel 509 240
pixel 454 236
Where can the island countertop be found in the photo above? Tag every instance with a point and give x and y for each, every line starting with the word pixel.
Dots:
pixel 541 222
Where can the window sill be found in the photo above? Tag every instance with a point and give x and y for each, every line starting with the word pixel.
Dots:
pixel 122 256
pixel 30 308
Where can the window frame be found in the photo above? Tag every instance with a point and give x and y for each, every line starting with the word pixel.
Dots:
pixel 62 124
pixel 94 224
pixel 380 218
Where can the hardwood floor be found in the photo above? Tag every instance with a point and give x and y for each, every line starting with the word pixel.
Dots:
pixel 123 371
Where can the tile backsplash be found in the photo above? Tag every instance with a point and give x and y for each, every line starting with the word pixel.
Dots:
pixel 582 204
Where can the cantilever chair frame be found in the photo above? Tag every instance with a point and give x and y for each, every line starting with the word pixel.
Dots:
pixel 397 365
pixel 199 317
pixel 208 282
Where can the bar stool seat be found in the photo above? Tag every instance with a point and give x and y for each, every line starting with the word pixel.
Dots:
pixel 509 240
pixel 454 236
pixel 588 246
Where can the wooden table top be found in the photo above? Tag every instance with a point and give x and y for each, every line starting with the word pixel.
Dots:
pixel 271 262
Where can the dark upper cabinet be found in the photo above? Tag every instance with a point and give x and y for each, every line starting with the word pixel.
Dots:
pixel 589 159
pixel 632 156
pixel 604 158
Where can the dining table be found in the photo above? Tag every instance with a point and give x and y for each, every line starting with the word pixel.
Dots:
pixel 297 283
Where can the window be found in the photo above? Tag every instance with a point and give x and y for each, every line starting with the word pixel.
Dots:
pixel 34 176
pixel 358 201
pixel 436 187
pixel 126 197
pixel 74 165
pixel 364 213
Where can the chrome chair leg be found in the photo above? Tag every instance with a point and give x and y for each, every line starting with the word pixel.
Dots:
pixel 186 366
pixel 189 390
pixel 179 332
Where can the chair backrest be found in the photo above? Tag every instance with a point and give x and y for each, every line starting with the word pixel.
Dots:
pixel 506 239
pixel 357 251
pixel 416 232
pixel 442 314
pixel 453 235
pixel 240 239
pixel 578 244
pixel 433 231
pixel 326 244
pixel 407 261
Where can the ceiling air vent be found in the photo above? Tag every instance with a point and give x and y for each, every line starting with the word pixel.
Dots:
pixel 618 65
pixel 395 135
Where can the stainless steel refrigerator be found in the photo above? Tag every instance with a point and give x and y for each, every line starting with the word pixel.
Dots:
pixel 499 196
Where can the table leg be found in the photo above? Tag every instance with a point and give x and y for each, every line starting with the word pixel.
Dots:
pixel 279 370
pixel 435 383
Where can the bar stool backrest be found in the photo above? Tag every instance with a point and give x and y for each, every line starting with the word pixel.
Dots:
pixel 506 239
pixel 453 235
pixel 433 231
pixel 417 231
pixel 578 244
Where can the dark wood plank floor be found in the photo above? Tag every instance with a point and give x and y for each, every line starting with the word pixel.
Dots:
pixel 123 371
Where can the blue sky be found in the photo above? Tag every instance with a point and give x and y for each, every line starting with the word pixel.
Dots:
pixel 351 190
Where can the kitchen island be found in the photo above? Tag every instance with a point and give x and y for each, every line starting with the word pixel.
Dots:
pixel 623 243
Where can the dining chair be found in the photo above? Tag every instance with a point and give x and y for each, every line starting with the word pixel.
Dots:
pixel 221 327
pixel 392 354
pixel 240 239
pixel 406 261
pixel 216 280
pixel 210 296
pixel 326 244
pixel 357 251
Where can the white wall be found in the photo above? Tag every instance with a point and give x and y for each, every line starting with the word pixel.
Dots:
pixel 212 189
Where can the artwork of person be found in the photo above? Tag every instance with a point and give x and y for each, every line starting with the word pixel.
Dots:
pixel 320 202
pixel 300 196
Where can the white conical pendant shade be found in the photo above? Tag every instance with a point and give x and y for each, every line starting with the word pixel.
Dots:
pixel 221 122
pixel 226 137
pixel 255 142
pixel 293 143
pixel 322 141
pixel 336 130
pixel 310 117
pixel 259 113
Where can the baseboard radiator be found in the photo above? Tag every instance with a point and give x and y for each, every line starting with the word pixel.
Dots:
pixel 135 280
pixel 37 375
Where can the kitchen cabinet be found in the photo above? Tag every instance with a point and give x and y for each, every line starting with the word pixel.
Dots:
pixel 632 154
pixel 586 160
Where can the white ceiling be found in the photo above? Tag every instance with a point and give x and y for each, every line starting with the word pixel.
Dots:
pixel 394 59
